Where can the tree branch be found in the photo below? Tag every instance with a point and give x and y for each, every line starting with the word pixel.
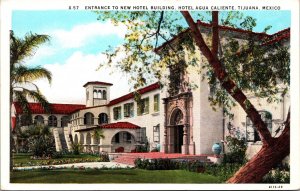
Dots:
pixel 215 33
pixel 227 83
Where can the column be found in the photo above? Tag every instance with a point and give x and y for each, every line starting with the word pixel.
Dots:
pixel 185 140
pixel 165 140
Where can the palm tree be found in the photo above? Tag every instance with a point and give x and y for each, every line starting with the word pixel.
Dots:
pixel 22 87
pixel 21 76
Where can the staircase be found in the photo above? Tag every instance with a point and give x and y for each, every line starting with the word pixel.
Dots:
pixel 60 141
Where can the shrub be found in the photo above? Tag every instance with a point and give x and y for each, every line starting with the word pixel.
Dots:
pixel 103 157
pixel 168 164
pixel 77 148
pixel 41 141
pixel 223 171
pixel 277 176
pixel 237 150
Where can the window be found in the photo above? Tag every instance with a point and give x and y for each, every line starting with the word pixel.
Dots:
pixel 252 134
pixel 143 106
pixel 128 110
pixel 99 95
pixel 156 133
pixel 52 121
pixel 156 102
pixel 88 119
pixel 117 113
pixel 141 135
pixel 102 118
pixel 95 93
pixel 64 121
pixel 38 120
pixel 104 95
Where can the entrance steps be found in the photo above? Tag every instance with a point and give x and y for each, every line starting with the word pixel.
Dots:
pixel 129 158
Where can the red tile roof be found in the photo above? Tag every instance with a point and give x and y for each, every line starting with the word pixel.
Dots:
pixel 131 95
pixel 120 125
pixel 36 108
pixel 98 83
pixel 117 125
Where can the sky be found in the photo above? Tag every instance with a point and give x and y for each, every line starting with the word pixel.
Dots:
pixel 76 48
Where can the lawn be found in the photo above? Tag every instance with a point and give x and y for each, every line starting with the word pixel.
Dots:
pixel 24 159
pixel 111 176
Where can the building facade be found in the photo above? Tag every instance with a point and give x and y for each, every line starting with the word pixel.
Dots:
pixel 178 122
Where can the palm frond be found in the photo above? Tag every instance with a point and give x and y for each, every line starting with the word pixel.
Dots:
pixel 25 48
pixel 22 74
pixel 21 98
pixel 38 97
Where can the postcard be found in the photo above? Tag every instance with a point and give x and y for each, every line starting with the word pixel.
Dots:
pixel 170 95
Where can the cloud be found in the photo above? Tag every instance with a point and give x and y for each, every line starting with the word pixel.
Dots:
pixel 69 78
pixel 79 35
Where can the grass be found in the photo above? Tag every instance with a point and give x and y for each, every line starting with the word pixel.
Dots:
pixel 110 176
pixel 24 159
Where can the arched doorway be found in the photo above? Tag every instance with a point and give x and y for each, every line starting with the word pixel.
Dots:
pixel 176 131
pixel 123 141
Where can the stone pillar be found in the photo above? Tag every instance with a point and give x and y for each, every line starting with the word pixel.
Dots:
pixel 185 140
pixel 165 140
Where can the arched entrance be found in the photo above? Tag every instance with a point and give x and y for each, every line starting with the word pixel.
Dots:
pixel 176 130
pixel 123 141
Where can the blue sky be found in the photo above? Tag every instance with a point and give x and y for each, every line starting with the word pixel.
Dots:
pixel 78 41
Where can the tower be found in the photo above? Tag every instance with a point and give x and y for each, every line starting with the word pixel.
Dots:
pixel 97 93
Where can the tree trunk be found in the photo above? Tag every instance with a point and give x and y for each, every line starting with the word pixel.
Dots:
pixel 269 156
pixel 274 150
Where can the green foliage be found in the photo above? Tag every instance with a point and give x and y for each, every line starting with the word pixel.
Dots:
pixel 223 171
pixel 168 164
pixel 41 141
pixel 277 176
pixel 254 66
pixel 237 150
pixel 77 148
pixel 21 76
pixel 104 157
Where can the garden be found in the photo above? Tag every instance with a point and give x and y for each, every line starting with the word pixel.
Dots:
pixel 145 171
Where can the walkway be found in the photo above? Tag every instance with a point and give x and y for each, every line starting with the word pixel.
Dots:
pixel 129 158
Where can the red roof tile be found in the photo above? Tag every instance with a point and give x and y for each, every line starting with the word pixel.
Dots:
pixel 120 125
pixel 131 95
pixel 36 108
pixel 117 125
pixel 98 83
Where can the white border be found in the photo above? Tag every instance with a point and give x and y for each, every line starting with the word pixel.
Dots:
pixel 8 5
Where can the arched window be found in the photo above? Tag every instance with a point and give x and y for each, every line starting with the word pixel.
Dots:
pixel 95 93
pixel 102 118
pixel 52 121
pixel 38 120
pixel 64 121
pixel 104 95
pixel 252 134
pixel 88 119
pixel 99 94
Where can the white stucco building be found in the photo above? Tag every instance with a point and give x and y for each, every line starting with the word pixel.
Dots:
pixel 181 122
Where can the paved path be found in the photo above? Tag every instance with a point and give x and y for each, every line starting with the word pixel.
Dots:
pixel 78 165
